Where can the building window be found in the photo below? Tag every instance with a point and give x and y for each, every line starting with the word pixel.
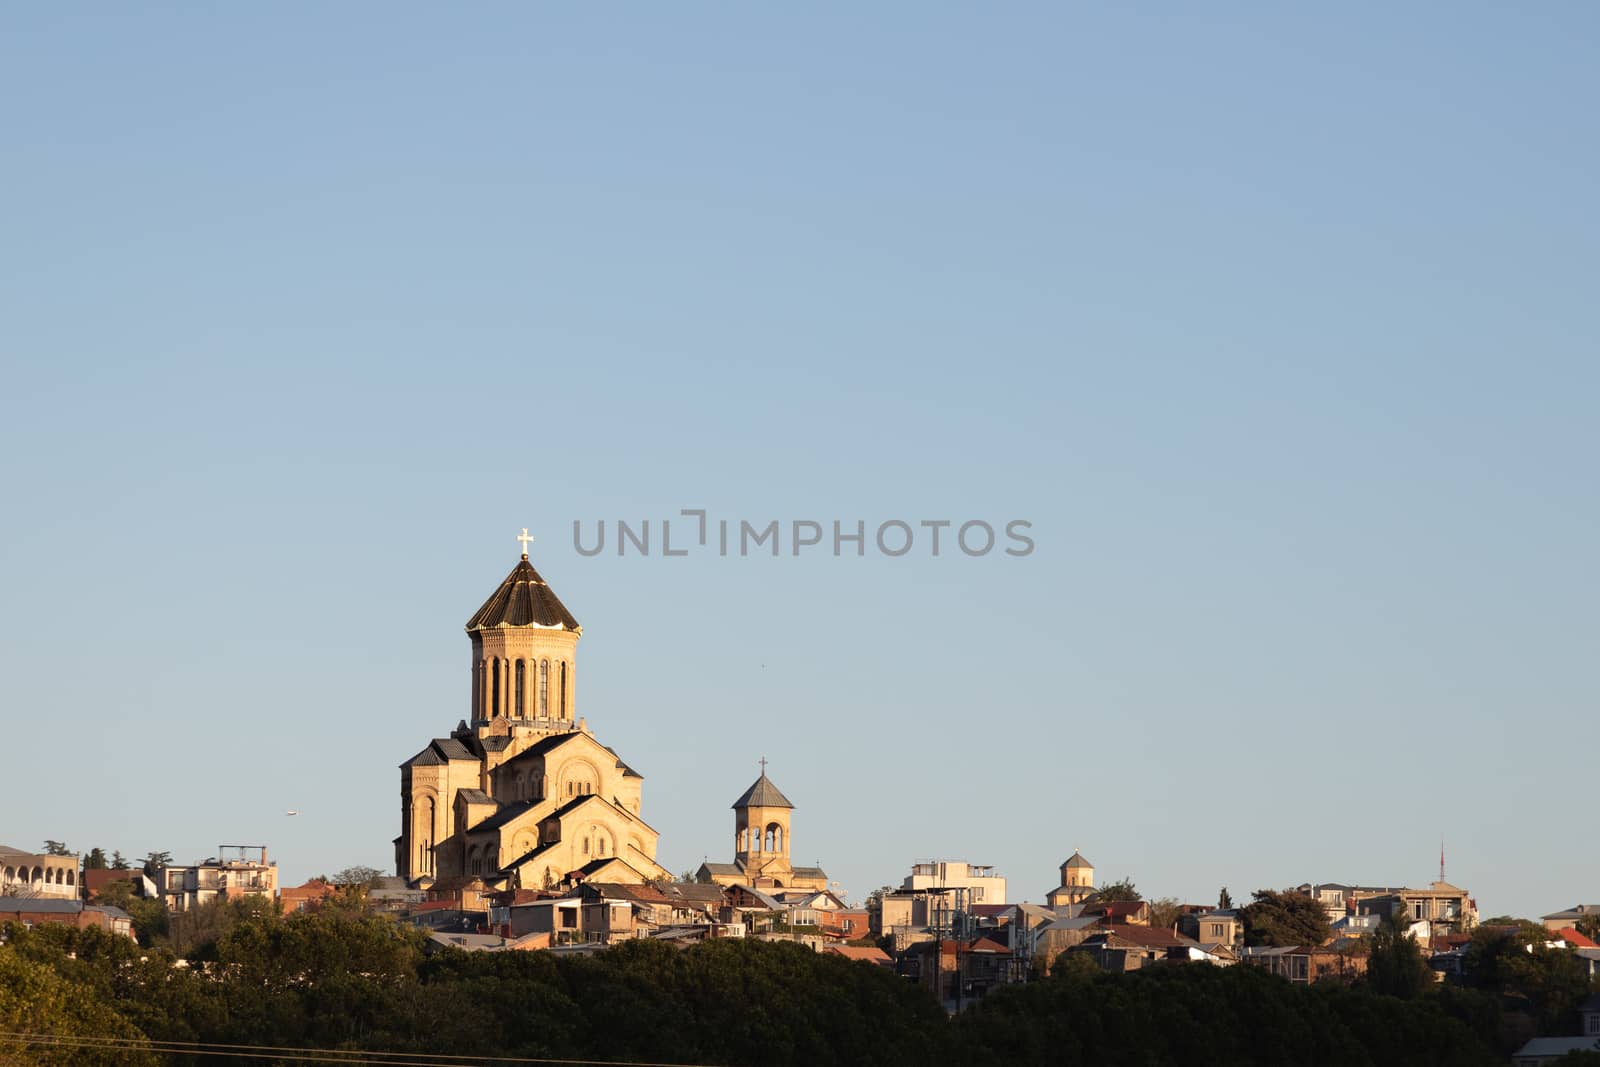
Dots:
pixel 544 689
pixel 494 709
pixel 564 690
pixel 520 685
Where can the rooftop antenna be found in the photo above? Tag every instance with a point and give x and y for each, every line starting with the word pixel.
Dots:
pixel 1441 857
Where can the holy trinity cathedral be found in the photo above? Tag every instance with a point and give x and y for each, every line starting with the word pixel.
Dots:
pixel 523 795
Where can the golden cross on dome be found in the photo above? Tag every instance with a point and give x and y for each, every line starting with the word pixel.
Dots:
pixel 526 541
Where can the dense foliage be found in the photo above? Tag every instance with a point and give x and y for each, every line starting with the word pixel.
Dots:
pixel 1285 919
pixel 1207 1015
pixel 337 979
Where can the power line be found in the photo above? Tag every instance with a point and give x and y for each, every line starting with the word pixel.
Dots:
pixel 363 1058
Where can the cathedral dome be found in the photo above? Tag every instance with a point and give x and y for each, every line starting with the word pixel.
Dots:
pixel 524 599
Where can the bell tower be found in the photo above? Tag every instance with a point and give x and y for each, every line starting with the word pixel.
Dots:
pixel 524 656
pixel 761 831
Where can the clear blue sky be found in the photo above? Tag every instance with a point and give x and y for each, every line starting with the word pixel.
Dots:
pixel 1278 326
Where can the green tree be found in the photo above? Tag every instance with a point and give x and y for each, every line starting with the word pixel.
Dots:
pixel 56 848
pixel 1528 932
pixel 1164 912
pixel 1284 919
pixel 1224 901
pixel 119 862
pixel 1075 967
pixel 1589 926
pixel 1200 1014
pixel 155 862
pixel 357 876
pixel 34 999
pixel 194 932
pixel 1395 965
pixel 95 860
pixel 1115 891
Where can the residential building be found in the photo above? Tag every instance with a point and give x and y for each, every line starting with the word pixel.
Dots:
pixel 593 912
pixel 95 882
pixel 1340 961
pixel 391 893
pixel 1544 1050
pixel 35 911
pixel 306 897
pixel 975 883
pixel 1556 920
pixel 1120 912
pixel 464 891
pixel 1446 908
pixel 958 973
pixel 1216 927
pixel 1125 947
pixel 38 875
pixel 235 872
pixel 1053 938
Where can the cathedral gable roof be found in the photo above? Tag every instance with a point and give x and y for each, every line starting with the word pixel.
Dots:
pixel 594 867
pixel 578 802
pixel 546 745
pixel 762 794
pixel 520 860
pixel 426 758
pixel 440 750
pixel 504 815
pixel 450 748
pixel 523 599
pixel 627 771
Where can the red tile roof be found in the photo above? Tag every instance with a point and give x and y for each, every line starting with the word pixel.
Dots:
pixel 986 944
pixel 1575 939
pixel 1147 937
pixel 96 880
pixel 861 952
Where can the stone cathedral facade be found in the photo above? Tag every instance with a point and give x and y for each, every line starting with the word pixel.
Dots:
pixel 520 793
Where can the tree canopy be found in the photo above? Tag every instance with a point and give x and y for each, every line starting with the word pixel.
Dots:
pixel 1284 919
pixel 1122 889
pixel 1395 964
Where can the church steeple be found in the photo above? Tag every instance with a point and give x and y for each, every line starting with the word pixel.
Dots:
pixel 761 826
pixel 524 649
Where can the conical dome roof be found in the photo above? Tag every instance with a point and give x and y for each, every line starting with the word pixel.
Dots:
pixel 763 794
pixel 523 599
